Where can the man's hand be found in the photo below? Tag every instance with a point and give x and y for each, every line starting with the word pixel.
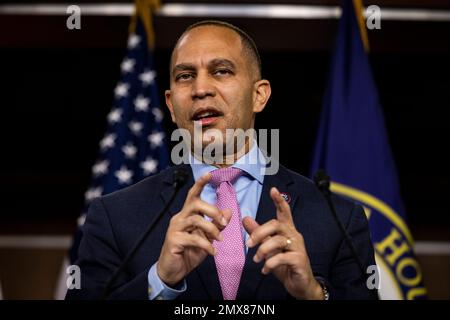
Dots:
pixel 189 236
pixel 283 249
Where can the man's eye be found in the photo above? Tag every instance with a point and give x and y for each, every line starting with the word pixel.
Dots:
pixel 222 72
pixel 184 76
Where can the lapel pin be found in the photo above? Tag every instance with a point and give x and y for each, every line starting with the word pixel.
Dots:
pixel 286 196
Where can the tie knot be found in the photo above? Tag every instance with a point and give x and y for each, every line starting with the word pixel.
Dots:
pixel 229 174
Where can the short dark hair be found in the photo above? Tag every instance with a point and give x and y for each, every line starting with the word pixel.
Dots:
pixel 247 42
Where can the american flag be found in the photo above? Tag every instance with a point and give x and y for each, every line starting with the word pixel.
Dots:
pixel 133 146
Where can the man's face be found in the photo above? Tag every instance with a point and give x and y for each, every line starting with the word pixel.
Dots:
pixel 212 82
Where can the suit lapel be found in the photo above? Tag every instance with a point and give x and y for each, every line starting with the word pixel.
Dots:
pixel 206 271
pixel 251 275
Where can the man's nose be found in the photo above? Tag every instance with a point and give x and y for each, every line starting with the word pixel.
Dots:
pixel 203 87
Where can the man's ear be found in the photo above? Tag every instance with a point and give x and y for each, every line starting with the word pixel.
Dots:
pixel 261 92
pixel 169 105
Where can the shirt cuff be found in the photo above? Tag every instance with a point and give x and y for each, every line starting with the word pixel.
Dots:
pixel 158 290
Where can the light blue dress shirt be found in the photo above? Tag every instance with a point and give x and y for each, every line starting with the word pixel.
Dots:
pixel 248 190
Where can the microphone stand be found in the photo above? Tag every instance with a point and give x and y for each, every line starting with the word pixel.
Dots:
pixel 322 181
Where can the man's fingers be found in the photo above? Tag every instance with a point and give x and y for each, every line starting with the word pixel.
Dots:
pixel 249 224
pixel 198 186
pixel 224 219
pixel 269 248
pixel 195 241
pixel 203 208
pixel 276 261
pixel 263 232
pixel 283 210
pixel 227 214
pixel 283 225
pixel 198 222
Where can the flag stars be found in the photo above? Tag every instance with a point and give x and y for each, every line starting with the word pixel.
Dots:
pixel 124 175
pixel 115 116
pixel 100 168
pixel 108 141
pixel 147 77
pixel 127 65
pixel 141 103
pixel 156 139
pixel 149 166
pixel 81 219
pixel 93 193
pixel 129 150
pixel 158 114
pixel 121 90
pixel 136 127
pixel 133 41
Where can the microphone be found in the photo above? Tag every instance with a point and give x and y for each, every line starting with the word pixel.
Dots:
pixel 322 181
pixel 180 177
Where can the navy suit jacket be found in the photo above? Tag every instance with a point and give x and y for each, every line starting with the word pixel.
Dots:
pixel 115 222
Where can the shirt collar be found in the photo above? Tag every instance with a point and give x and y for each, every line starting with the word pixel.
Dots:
pixel 253 163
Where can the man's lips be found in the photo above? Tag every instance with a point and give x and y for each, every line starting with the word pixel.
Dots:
pixel 207 116
pixel 208 121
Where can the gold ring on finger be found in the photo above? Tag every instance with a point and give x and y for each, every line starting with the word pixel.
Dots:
pixel 288 244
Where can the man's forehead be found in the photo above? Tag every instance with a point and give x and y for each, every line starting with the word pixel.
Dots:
pixel 208 40
pixel 209 32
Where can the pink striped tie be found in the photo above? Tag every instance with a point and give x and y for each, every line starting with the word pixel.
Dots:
pixel 230 257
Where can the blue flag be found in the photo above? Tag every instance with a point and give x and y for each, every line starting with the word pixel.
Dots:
pixel 134 145
pixel 353 147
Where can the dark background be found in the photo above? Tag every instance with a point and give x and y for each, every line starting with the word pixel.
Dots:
pixel 56 88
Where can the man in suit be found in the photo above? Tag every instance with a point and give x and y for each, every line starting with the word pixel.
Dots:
pixel 232 232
